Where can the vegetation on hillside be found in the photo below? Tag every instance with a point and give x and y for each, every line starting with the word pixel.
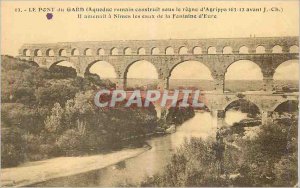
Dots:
pixel 267 158
pixel 49 113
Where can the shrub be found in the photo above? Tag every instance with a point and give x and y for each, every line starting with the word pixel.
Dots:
pixel 70 142
pixel 11 147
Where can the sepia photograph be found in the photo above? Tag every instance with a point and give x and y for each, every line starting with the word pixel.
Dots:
pixel 149 93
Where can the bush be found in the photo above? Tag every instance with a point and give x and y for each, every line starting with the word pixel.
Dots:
pixel 61 72
pixel 286 171
pixel 194 164
pixel 11 147
pixel 70 142
pixel 178 115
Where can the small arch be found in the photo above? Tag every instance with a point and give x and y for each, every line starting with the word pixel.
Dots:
pixel 100 51
pixel 155 51
pixel 62 52
pixel 233 102
pixel 49 53
pixel 243 50
pixel 211 50
pixel 260 50
pixel 75 52
pixel 37 52
pixel 286 106
pixel 114 51
pixel 88 52
pixel 246 109
pixel 197 50
pixel 26 52
pixel 141 51
pixel 294 49
pixel 277 49
pixel 127 51
pixel 227 50
pixel 169 51
pixel 183 50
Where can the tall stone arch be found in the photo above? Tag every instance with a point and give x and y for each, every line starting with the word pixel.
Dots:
pixel 130 62
pixel 89 65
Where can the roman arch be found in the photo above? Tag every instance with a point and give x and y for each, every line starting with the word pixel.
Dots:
pixel 216 54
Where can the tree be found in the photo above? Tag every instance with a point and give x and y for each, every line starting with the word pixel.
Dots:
pixel 53 123
pixel 59 93
pixel 71 142
pixel 11 147
pixel 286 171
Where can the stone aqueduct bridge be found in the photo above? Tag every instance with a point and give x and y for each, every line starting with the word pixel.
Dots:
pixel 217 54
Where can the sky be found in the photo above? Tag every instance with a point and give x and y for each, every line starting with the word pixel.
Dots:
pixel 20 28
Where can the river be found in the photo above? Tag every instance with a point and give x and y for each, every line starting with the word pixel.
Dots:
pixel 134 170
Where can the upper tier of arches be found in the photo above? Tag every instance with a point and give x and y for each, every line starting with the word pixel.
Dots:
pixel 159 50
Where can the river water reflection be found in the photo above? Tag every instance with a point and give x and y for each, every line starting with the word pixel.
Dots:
pixel 134 170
